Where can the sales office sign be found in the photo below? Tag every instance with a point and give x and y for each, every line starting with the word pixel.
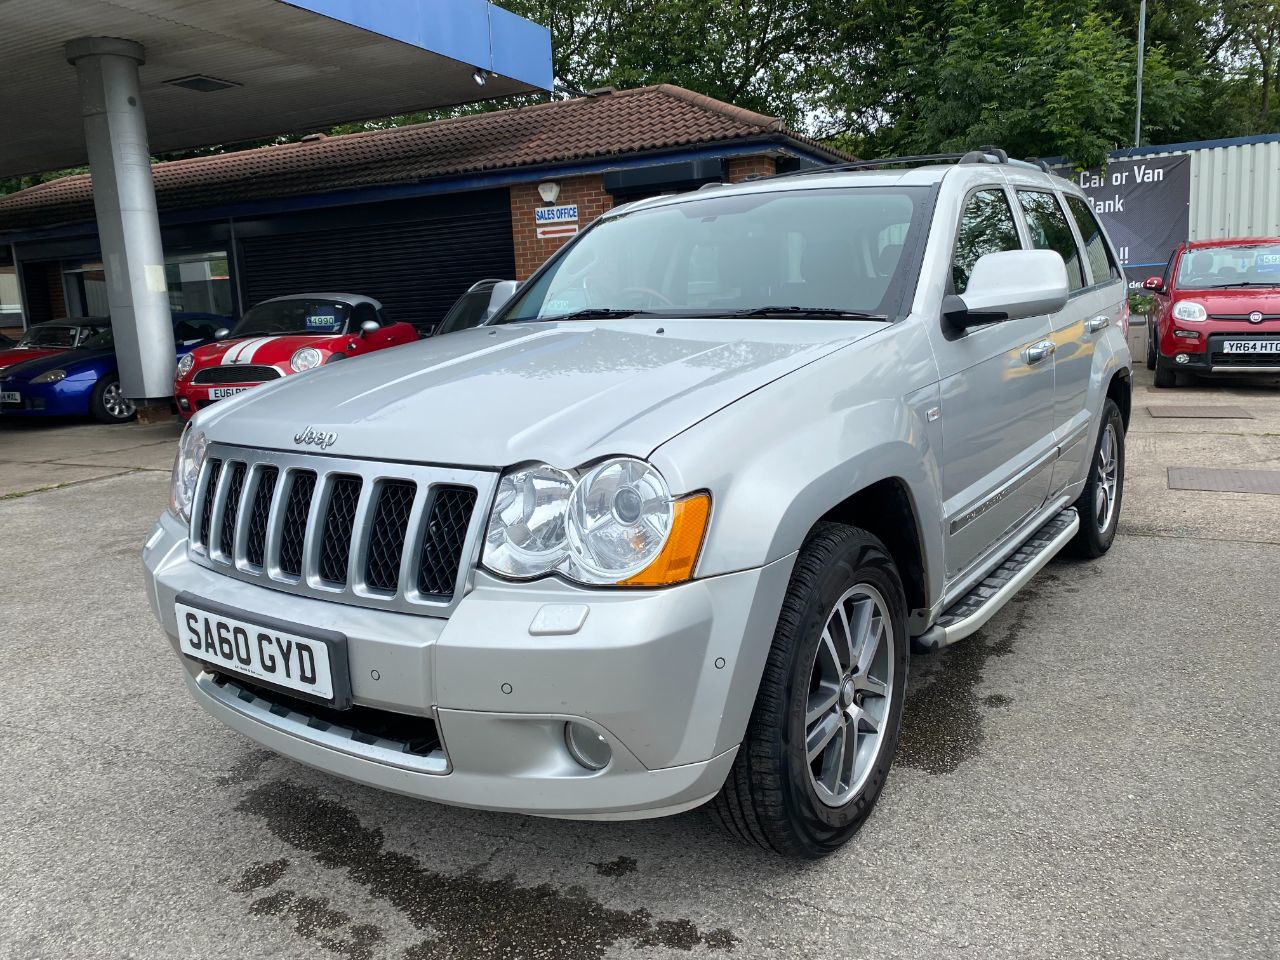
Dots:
pixel 559 221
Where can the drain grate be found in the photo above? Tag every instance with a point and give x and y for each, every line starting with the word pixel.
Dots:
pixel 1205 412
pixel 1224 481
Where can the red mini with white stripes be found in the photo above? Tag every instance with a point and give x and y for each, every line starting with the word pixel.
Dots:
pixel 283 336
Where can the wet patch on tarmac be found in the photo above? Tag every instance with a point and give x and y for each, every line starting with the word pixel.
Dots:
pixel 313 919
pixel 617 867
pixel 942 723
pixel 466 916
pixel 246 768
pixel 260 875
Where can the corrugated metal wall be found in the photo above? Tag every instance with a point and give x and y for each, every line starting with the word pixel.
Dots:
pixel 1235 190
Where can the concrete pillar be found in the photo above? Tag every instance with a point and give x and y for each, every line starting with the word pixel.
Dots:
pixel 124 200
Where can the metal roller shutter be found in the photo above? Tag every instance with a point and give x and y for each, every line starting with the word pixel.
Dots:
pixel 416 265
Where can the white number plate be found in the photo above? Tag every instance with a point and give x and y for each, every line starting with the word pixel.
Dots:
pixel 284 659
pixel 221 393
pixel 1251 346
pixel 10 396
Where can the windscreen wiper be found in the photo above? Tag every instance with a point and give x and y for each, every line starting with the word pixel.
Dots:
pixel 590 313
pixel 806 312
pixel 1245 283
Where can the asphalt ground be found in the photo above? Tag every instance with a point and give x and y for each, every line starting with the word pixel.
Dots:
pixel 1095 774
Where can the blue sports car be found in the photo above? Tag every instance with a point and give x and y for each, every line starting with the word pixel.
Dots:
pixel 86 380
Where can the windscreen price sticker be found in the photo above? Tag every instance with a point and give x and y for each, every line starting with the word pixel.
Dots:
pixel 559 221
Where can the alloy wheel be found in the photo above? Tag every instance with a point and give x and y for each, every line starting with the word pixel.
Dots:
pixel 1104 493
pixel 116 403
pixel 850 686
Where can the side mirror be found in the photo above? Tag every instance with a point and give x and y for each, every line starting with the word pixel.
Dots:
pixel 1010 285
pixel 369 326
pixel 502 291
pixel 1155 284
pixel 221 333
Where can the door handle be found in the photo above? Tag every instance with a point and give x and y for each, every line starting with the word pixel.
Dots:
pixel 1094 324
pixel 1038 352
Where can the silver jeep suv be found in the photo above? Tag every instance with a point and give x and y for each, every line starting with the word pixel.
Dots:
pixel 664 531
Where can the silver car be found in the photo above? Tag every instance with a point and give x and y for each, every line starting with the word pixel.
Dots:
pixel 663 532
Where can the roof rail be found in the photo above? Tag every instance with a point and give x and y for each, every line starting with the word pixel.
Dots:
pixel 983 154
pixel 873 164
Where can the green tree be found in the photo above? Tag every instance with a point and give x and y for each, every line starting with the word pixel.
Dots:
pixel 1039 78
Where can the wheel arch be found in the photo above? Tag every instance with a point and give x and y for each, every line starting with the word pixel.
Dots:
pixel 887 510
pixel 1120 389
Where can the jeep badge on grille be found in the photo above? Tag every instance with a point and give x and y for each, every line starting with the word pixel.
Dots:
pixel 315 438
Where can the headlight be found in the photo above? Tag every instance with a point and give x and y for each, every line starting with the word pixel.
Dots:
pixel 306 358
pixel 186 472
pixel 1190 311
pixel 185 365
pixel 526 535
pixel 615 523
pixel 50 376
pixel 619 519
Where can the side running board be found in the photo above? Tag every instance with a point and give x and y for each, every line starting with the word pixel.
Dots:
pixel 968 614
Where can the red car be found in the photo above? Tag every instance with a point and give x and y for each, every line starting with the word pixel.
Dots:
pixel 53 336
pixel 283 336
pixel 1216 310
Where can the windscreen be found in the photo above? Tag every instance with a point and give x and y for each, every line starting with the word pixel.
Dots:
pixel 49 336
pixel 302 315
pixel 826 249
pixel 1252 265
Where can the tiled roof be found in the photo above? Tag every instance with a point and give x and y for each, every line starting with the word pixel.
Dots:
pixel 601 125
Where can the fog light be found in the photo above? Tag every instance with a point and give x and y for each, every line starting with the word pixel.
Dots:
pixel 1182 358
pixel 184 403
pixel 587 746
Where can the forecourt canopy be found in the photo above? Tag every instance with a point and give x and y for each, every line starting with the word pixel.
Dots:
pixel 110 81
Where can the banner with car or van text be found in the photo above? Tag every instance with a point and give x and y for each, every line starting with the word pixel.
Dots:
pixel 1144 204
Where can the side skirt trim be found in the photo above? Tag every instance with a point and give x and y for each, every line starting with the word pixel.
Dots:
pixel 972 611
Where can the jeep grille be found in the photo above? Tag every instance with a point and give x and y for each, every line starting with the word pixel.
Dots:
pixel 362 532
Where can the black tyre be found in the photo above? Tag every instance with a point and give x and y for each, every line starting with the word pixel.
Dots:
pixel 1151 347
pixel 1165 375
pixel 1103 495
pixel 825 725
pixel 109 404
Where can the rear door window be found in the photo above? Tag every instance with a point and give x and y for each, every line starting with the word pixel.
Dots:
pixel 986 226
pixel 1050 231
pixel 1101 264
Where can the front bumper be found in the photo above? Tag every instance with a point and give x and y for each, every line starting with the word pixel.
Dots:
pixel 190 398
pixel 1206 355
pixel 63 398
pixel 669 678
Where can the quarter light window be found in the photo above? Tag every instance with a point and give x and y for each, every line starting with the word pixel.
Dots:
pixel 1101 264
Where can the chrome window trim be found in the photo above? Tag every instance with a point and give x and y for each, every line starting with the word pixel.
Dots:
pixel 372 473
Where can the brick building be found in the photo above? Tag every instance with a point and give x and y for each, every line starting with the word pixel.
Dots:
pixel 410 215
